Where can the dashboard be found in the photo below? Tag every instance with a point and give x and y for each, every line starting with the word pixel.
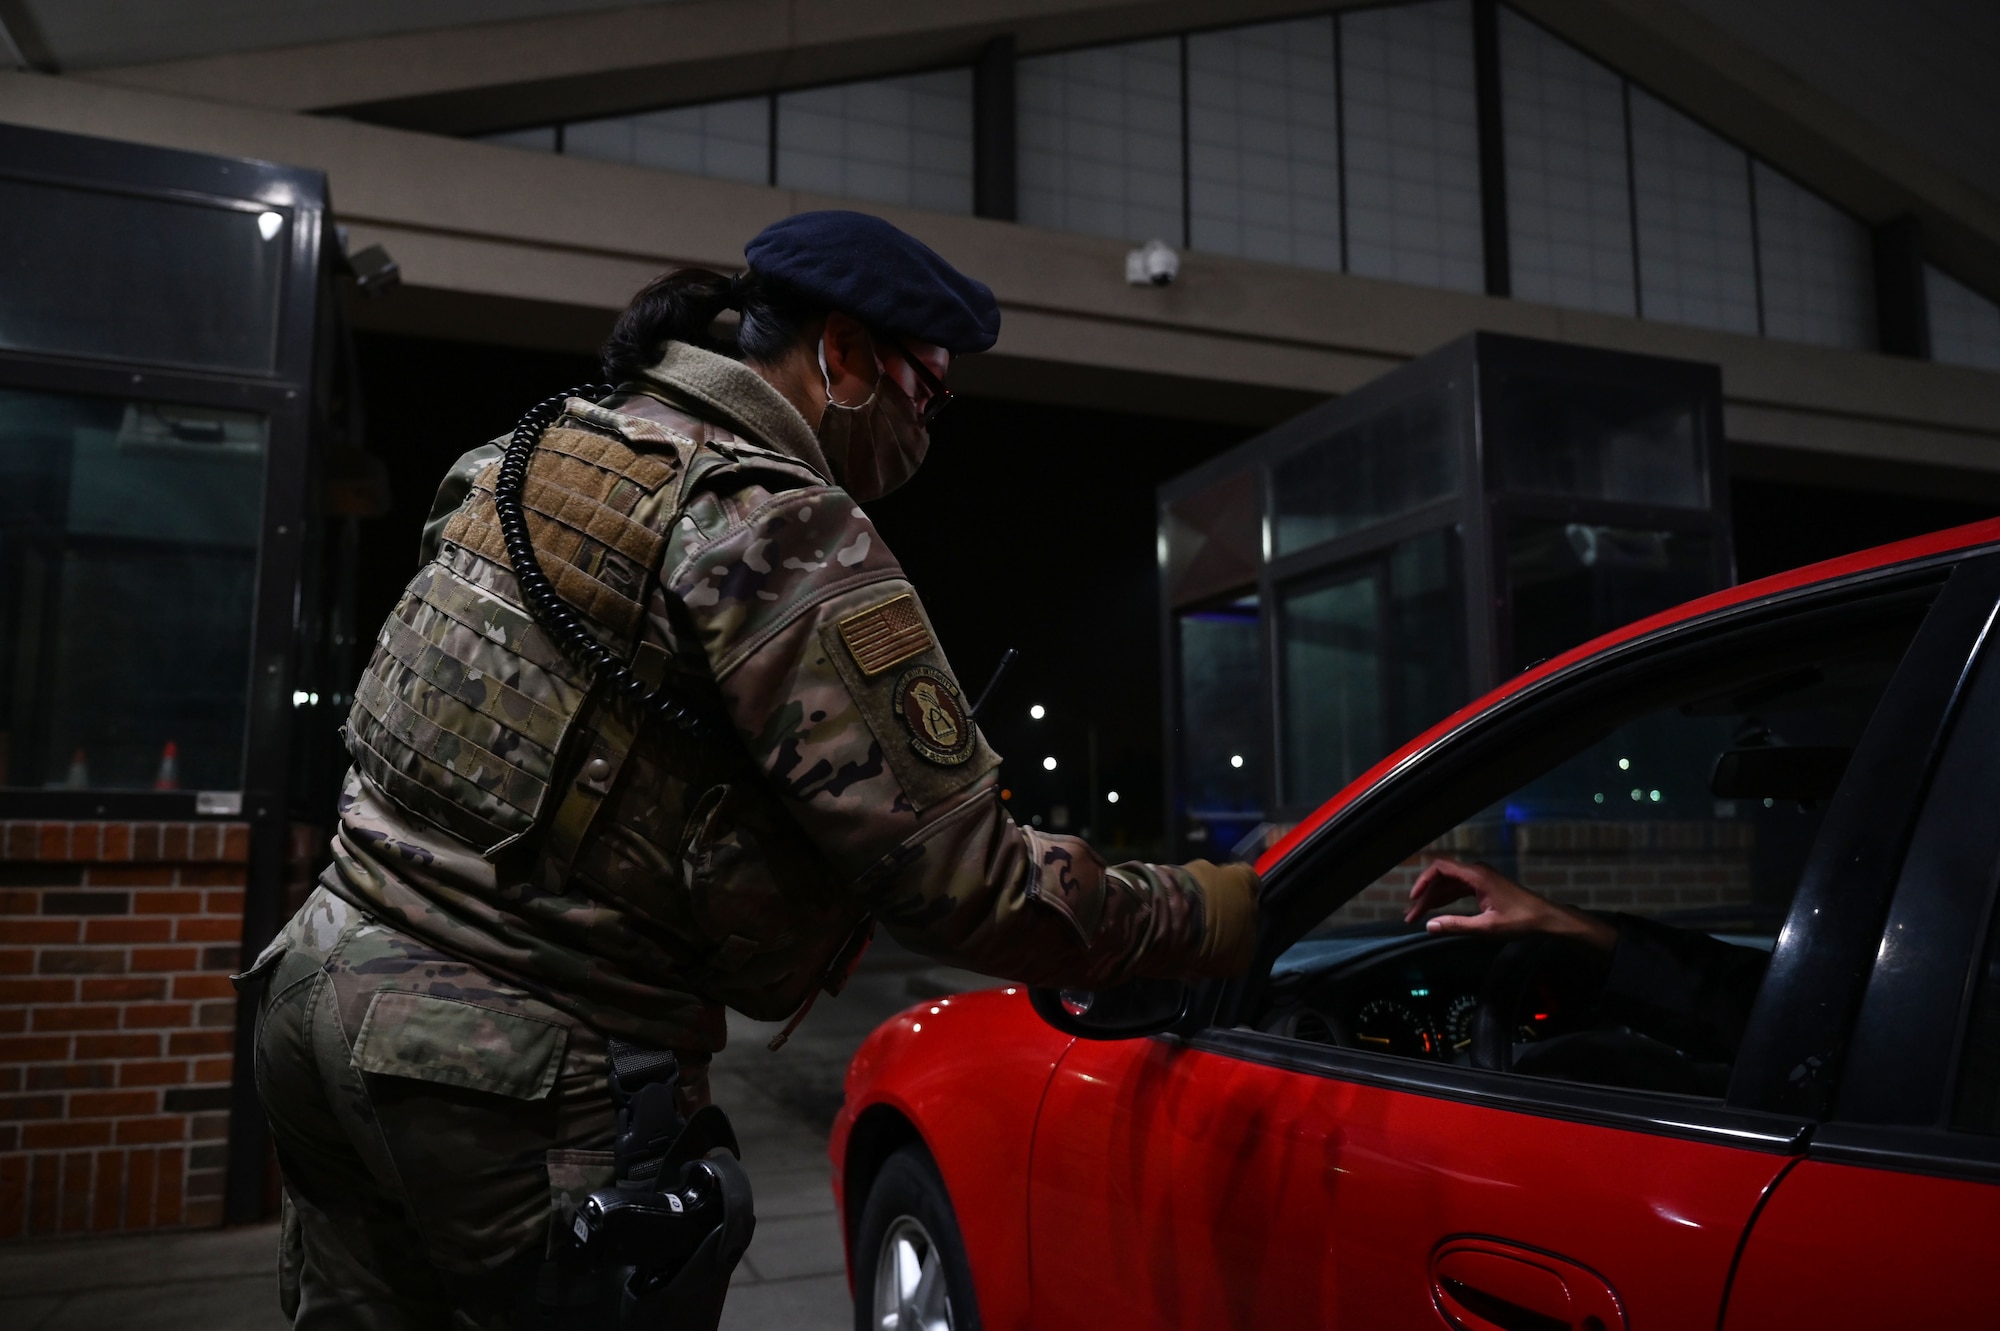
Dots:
pixel 1410 995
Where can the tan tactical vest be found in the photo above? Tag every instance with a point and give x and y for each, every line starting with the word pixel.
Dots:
pixel 471 718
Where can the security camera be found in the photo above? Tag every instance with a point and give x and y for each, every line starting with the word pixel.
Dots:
pixel 1153 264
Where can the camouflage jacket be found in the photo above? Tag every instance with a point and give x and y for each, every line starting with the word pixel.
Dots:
pixel 506 812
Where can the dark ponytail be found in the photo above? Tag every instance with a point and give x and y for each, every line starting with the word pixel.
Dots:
pixel 682 306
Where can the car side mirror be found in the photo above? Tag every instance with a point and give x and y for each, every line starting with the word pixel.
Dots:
pixel 1133 1009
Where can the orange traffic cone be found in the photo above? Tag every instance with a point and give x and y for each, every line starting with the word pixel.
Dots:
pixel 169 775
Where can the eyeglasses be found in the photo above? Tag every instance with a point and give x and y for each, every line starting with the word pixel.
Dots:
pixel 940 396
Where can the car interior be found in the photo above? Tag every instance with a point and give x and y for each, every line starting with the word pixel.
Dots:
pixel 1682 811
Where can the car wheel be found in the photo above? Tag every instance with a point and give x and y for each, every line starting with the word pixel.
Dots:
pixel 910 1267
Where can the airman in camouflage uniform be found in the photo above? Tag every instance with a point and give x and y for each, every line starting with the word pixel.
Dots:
pixel 526 865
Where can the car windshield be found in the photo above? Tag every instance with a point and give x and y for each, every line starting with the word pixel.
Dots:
pixel 1681 820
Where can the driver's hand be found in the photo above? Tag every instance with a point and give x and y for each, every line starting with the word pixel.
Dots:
pixel 1505 907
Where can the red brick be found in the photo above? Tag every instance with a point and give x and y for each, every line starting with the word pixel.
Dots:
pixel 150 1131
pixel 141 1173
pixel 65 1134
pixel 166 903
pixel 20 902
pixel 207 929
pixel 69 1076
pixel 116 842
pixel 83 840
pixel 107 1200
pixel 126 989
pixel 208 1128
pixel 97 1018
pixel 212 875
pixel 224 957
pixel 146 841
pixel 199 1042
pixel 215 1015
pixel 34 1049
pixel 167 1206
pixel 37 991
pixel 20 841
pixel 174 842
pixel 17 961
pixel 140 1045
pixel 113 1104
pixel 41 931
pixel 13 1196
pixel 83 961
pixel 129 875
pixel 43 1189
pixel 202 986
pixel 13 1020
pixel 213 1069
pixel 236 843
pixel 205 841
pixel 165 1072
pixel 10 1082
pixel 203 1184
pixel 16 1108
pixel 202 1213
pixel 226 902
pixel 109 929
pixel 53 844
pixel 75 1204
pixel 152 1016
pixel 151 960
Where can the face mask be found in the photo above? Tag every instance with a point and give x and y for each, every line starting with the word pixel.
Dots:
pixel 875 446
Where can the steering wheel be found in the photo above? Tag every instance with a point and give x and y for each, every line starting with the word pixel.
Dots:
pixel 1500 996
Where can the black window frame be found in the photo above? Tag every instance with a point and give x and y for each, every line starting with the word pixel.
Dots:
pixel 283 396
pixel 1821 960
pixel 1893 1107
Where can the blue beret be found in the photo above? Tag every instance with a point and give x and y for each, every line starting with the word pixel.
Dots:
pixel 863 267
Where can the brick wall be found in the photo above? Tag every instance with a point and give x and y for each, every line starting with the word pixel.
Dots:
pixel 1641 867
pixel 117 1022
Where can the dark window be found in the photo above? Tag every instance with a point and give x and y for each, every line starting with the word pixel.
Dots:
pixel 128 557
pixel 1978 1104
pixel 1681 813
pixel 92 273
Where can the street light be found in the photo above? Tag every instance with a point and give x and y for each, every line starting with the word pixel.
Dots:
pixel 1111 797
pixel 1037 712
pixel 1048 764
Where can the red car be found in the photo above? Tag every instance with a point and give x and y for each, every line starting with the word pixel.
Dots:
pixel 1776 1102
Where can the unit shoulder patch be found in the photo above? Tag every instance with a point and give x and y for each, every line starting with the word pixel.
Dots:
pixel 886 635
pixel 928 705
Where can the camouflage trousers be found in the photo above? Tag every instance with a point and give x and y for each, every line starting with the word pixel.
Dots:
pixel 434 1127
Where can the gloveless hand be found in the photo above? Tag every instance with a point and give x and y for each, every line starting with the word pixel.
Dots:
pixel 1505 907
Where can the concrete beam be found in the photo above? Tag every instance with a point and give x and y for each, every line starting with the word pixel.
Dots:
pixel 494 75
pixel 503 245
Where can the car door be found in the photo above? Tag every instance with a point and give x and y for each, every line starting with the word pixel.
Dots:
pixel 1890 1217
pixel 1252 1173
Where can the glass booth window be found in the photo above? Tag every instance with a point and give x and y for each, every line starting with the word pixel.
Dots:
pixel 128 561
pixel 1396 460
pixel 1567 581
pixel 166 282
pixel 1558 434
pixel 1370 655
pixel 1222 747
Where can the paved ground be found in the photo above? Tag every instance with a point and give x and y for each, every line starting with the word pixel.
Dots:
pixel 793 1278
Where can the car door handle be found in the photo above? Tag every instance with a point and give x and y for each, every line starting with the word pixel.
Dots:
pixel 1482 1284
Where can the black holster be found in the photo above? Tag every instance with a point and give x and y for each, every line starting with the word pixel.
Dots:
pixel 664 1238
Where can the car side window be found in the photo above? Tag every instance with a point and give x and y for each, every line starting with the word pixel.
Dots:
pixel 1677 832
pixel 1976 1107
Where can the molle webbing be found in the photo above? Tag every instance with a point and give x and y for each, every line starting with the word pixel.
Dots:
pixel 580 493
pixel 465 705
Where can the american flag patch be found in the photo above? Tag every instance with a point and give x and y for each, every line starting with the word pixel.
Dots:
pixel 885 635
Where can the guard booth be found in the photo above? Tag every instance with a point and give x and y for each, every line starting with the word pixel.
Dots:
pixel 173 385
pixel 1338 583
